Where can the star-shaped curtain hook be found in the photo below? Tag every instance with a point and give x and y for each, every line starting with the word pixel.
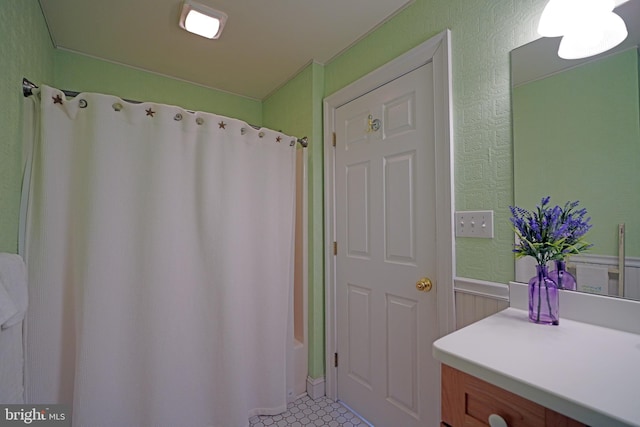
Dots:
pixel 57 99
pixel 150 112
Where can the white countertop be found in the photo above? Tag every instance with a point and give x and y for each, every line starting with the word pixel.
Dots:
pixel 586 372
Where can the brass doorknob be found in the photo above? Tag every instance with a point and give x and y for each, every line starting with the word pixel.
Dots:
pixel 424 284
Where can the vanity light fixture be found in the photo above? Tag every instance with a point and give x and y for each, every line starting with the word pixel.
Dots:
pixel 202 20
pixel 587 27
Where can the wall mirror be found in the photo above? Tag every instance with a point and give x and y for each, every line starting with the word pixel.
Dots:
pixel 576 133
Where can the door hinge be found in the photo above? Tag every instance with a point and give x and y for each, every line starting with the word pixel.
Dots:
pixel 334 139
pixel 335 360
pixel 335 248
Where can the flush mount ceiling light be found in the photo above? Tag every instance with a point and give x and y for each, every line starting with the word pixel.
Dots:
pixel 202 20
pixel 588 27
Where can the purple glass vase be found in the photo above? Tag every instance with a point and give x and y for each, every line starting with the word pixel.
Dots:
pixel 562 277
pixel 543 298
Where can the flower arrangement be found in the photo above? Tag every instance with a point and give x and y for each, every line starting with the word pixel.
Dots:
pixel 550 233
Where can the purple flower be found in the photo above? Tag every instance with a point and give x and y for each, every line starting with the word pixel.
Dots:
pixel 550 233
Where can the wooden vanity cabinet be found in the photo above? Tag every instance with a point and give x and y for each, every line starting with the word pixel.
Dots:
pixel 468 402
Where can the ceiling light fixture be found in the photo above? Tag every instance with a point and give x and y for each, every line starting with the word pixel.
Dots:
pixel 202 20
pixel 588 27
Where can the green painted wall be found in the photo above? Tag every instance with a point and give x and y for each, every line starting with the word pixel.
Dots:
pixel 577 137
pixel 290 109
pixel 83 73
pixel 25 51
pixel 296 109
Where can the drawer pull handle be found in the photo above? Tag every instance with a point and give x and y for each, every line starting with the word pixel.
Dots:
pixel 497 421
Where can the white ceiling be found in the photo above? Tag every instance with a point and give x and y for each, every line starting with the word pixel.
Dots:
pixel 264 43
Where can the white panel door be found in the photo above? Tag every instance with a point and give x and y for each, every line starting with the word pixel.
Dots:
pixel 385 228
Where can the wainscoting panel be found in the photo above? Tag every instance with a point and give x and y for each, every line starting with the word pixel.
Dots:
pixel 470 308
pixel 477 299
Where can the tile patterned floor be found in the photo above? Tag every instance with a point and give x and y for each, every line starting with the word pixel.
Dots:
pixel 306 412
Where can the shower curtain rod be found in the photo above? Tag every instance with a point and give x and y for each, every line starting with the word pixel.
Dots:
pixel 28 86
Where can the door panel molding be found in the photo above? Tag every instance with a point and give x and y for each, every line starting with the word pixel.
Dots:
pixel 438 51
pixel 399 171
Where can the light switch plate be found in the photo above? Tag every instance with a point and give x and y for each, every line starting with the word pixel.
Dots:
pixel 474 224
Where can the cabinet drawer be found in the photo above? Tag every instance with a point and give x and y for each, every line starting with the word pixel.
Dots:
pixel 468 402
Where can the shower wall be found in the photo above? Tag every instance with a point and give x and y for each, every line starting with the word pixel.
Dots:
pixel 298 290
pixel 300 347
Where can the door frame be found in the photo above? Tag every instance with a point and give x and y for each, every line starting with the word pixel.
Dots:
pixel 437 50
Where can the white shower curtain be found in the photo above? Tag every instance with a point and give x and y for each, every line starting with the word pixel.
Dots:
pixel 159 248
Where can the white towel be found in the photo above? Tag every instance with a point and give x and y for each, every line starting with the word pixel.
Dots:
pixel 593 278
pixel 11 365
pixel 7 308
pixel 13 306
pixel 13 280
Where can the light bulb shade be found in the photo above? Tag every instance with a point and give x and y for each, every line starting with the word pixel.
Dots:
pixel 202 20
pixel 593 36
pixel 553 17
pixel 560 16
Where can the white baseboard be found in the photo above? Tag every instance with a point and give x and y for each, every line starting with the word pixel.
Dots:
pixel 315 387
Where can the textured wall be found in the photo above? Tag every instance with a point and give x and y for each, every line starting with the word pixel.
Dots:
pixel 483 33
pixel 25 51
pixel 83 73
pixel 296 109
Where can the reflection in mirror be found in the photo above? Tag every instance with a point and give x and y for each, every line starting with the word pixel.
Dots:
pixel 576 132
